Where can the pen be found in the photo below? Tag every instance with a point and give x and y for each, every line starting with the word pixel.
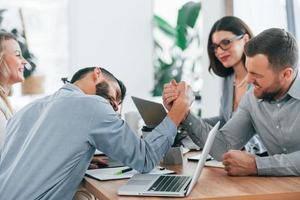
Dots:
pixel 123 171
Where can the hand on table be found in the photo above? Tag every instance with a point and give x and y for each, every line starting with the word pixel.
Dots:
pixel 98 162
pixel 239 163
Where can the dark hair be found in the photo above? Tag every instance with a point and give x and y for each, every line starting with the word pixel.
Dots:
pixel 228 23
pixel 84 71
pixel 278 45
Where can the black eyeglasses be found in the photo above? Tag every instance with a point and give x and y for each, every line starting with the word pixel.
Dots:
pixel 226 43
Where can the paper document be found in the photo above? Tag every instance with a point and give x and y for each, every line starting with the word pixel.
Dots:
pixel 198 156
pixel 110 173
pixel 214 163
pixel 98 153
pixel 185 150
pixel 210 162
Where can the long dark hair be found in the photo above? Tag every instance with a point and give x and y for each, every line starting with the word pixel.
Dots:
pixel 228 23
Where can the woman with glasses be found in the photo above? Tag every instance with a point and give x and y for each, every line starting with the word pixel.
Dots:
pixel 12 66
pixel 227 59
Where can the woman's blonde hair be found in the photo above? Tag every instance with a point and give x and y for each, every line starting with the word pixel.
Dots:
pixel 4 70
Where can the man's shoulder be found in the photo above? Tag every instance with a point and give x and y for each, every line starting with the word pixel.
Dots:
pixel 76 100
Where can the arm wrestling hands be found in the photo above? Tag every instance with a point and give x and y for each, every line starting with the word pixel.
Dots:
pixel 178 104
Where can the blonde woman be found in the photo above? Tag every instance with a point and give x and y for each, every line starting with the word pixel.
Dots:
pixel 11 71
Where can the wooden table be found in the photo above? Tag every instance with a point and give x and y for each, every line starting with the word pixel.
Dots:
pixel 213 184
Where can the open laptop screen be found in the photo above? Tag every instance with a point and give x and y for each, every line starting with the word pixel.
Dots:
pixel 152 113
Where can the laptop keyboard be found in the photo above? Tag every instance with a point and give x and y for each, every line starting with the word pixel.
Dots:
pixel 169 183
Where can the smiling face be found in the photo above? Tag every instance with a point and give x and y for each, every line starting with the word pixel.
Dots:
pixel 268 83
pixel 14 60
pixel 233 53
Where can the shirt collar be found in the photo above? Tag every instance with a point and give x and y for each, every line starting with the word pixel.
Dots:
pixel 294 90
pixel 72 87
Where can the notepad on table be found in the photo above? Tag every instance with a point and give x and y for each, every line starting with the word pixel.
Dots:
pixel 110 173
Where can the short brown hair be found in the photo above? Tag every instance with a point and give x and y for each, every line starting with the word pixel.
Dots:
pixel 278 45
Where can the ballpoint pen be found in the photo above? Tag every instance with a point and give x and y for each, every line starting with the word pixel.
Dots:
pixel 123 171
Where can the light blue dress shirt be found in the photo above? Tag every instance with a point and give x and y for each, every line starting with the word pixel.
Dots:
pixel 276 122
pixel 51 141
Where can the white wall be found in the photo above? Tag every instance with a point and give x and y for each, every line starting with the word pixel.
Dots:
pixel 261 14
pixel 116 35
pixel 212 11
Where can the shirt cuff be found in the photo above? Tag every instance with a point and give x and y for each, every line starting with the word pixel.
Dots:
pixel 188 120
pixel 168 128
pixel 263 166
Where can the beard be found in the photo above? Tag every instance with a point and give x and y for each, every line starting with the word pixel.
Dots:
pixel 270 93
pixel 102 89
pixel 270 96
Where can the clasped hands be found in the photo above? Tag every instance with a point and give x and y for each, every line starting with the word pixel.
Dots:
pixel 174 91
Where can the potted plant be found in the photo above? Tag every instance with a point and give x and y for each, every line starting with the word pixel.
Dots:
pixel 170 61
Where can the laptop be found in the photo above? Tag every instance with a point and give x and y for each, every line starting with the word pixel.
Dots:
pixel 151 112
pixel 168 185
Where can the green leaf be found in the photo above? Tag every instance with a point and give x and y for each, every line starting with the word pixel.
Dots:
pixel 188 14
pixel 164 26
pixel 164 65
pixel 164 72
pixel 181 40
pixel 157 45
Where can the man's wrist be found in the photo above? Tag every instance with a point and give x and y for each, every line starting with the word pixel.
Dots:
pixel 186 115
pixel 254 166
pixel 178 112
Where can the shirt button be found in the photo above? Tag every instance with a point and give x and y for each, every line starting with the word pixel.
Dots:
pixel 277 127
pixel 190 123
pixel 278 105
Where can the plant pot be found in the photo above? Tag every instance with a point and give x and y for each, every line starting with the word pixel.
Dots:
pixel 173 157
pixel 33 85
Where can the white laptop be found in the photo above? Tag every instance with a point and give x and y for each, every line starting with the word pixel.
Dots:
pixel 168 185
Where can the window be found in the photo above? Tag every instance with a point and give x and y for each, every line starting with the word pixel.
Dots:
pixel 261 14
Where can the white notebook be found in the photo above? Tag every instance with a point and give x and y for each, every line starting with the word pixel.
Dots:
pixel 110 173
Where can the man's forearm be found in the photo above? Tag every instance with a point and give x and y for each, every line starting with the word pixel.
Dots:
pixel 178 112
pixel 279 165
